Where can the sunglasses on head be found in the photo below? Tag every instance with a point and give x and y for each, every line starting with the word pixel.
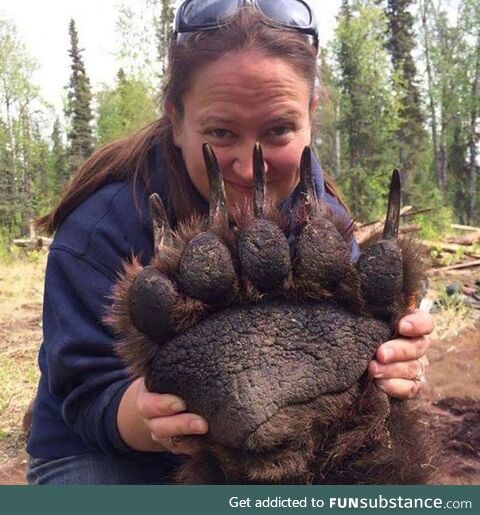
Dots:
pixel 200 15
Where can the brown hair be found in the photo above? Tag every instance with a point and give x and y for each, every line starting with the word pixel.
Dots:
pixel 129 158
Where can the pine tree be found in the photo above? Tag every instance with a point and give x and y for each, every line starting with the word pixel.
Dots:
pixel 368 119
pixel 58 160
pixel 327 133
pixel 411 135
pixel 8 191
pixel 78 109
pixel 125 108
pixel 458 173
pixel 163 27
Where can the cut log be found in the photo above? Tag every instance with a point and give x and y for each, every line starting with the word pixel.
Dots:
pixel 459 227
pixel 450 247
pixel 467 239
pixel 466 264
pixel 366 233
pixel 33 244
pixel 419 211
pixel 403 212
pixel 363 232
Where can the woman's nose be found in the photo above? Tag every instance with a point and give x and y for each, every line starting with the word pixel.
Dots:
pixel 243 165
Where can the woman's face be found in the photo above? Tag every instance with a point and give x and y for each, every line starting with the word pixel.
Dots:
pixel 233 103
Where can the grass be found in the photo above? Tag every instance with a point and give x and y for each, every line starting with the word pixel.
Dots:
pixel 454 315
pixel 21 295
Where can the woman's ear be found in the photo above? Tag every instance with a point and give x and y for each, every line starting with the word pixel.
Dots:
pixel 176 122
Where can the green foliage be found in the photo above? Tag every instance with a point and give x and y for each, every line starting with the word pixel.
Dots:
pixel 78 109
pixel 411 136
pixel 124 109
pixel 326 130
pixel 435 224
pixel 368 108
pixel 143 30
pixel 451 45
pixel 136 37
pixel 455 313
pixel 21 144
pixel 58 161
pixel 374 114
pixel 163 20
pixel 8 252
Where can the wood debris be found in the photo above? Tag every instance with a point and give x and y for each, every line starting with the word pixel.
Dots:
pixel 34 241
pixel 464 249
pixel 459 251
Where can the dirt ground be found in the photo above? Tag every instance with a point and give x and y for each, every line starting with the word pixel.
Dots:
pixel 21 295
pixel 451 397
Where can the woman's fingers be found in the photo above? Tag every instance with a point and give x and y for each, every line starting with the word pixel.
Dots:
pixel 165 417
pixel 418 323
pixel 402 349
pixel 412 369
pixel 399 364
pixel 169 430
pixel 151 405
pixel 176 425
pixel 401 379
pixel 399 388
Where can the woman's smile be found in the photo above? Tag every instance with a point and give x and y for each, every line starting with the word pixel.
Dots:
pixel 237 101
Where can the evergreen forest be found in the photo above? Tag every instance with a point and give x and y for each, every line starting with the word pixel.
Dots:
pixel 400 85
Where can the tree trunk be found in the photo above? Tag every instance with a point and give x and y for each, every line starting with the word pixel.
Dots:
pixel 338 144
pixel 13 149
pixel 433 113
pixel 473 139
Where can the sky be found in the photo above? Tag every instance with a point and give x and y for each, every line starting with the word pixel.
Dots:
pixel 43 26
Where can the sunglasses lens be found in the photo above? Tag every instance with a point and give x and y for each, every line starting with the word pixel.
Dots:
pixel 287 12
pixel 201 13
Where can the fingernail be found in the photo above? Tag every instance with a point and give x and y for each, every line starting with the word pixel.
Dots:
pixel 405 327
pixel 198 426
pixel 388 354
pixel 374 371
pixel 178 406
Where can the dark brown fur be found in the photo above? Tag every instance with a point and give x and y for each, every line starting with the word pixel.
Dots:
pixel 356 436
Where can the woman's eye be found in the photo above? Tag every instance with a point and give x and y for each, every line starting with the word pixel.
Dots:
pixel 220 133
pixel 280 131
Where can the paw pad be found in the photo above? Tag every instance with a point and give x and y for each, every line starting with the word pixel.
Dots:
pixel 250 321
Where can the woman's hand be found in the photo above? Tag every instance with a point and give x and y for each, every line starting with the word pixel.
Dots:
pixel 150 422
pixel 166 418
pixel 399 363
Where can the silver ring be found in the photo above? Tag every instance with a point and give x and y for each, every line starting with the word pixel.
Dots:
pixel 420 377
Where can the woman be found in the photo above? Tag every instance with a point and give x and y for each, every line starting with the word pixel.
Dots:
pixel 236 76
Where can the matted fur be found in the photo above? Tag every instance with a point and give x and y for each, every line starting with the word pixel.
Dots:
pixel 415 264
pixel 357 436
pixel 369 440
pixel 245 214
pixel 136 349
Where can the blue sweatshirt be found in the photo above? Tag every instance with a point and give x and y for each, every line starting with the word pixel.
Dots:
pixel 82 379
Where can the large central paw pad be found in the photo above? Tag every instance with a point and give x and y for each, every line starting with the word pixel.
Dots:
pixel 246 320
